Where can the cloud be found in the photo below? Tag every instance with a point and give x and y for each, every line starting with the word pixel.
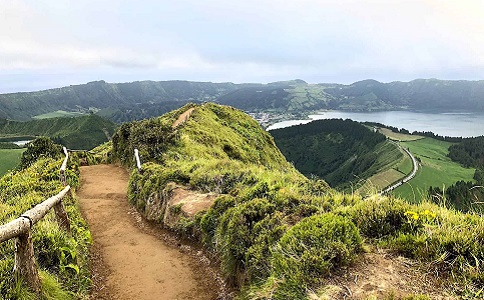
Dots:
pixel 263 40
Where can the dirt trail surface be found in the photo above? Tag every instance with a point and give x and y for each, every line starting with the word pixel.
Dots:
pixel 130 261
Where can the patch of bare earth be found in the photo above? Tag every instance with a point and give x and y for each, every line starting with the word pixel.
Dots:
pixel 379 274
pixel 131 258
pixel 183 117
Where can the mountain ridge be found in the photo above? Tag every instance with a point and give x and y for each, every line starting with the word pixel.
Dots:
pixel 136 100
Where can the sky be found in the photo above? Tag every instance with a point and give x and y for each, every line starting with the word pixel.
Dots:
pixel 47 44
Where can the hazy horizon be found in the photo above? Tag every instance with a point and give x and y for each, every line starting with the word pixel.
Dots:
pixel 50 44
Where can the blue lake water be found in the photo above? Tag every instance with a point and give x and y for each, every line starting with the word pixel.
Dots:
pixel 445 124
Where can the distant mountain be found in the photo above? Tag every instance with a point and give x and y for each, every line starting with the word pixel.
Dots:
pixel 84 132
pixel 100 95
pixel 122 102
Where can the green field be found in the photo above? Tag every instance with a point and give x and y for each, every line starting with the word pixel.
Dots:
pixel 9 158
pixel 436 169
pixel 395 164
pixel 59 113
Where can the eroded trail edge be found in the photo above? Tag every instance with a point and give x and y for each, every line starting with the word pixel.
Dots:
pixel 130 261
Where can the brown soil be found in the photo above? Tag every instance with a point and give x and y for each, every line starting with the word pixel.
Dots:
pixel 379 274
pixel 131 259
pixel 183 117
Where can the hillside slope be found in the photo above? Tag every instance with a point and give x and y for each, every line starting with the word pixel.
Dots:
pixel 342 152
pixel 123 102
pixel 102 95
pixel 85 132
pixel 217 177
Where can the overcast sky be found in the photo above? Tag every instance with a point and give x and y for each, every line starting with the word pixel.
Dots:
pixel 53 43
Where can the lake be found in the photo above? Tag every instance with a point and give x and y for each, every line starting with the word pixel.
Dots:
pixel 445 124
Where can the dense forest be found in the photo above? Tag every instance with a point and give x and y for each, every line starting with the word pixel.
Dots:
pixel 469 153
pixel 465 196
pixel 339 151
pixel 85 132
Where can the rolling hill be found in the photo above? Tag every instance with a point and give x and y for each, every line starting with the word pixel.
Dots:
pixel 121 102
pixel 342 152
pixel 212 174
pixel 85 132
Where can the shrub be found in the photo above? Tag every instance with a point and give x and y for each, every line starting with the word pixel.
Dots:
pixel 380 217
pixel 234 235
pixel 40 147
pixel 310 250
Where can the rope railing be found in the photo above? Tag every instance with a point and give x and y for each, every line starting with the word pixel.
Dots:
pixel 21 229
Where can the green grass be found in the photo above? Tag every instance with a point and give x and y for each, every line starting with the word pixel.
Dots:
pixel 9 159
pixel 394 165
pixel 436 169
pixel 277 234
pixel 59 114
pixel 62 258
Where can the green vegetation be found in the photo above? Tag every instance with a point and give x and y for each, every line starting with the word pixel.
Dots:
pixel 76 133
pixel 62 257
pixel 467 196
pixel 277 234
pixel 121 102
pixel 342 152
pixel 9 159
pixel 437 169
pixel 469 152
pixel 59 114
pixel 448 242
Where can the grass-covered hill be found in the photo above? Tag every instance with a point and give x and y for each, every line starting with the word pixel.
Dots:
pixel 108 96
pixel 121 102
pixel 276 233
pixel 342 152
pixel 85 132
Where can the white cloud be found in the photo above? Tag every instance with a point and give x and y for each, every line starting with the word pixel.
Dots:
pixel 247 40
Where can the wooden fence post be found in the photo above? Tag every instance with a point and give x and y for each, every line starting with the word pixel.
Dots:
pixel 62 217
pixel 60 212
pixel 25 265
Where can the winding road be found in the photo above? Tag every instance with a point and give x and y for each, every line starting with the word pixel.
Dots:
pixel 408 177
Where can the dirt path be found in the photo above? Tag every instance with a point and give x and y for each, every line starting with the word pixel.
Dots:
pixel 130 262
pixel 183 117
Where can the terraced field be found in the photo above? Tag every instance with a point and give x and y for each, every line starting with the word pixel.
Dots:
pixel 436 169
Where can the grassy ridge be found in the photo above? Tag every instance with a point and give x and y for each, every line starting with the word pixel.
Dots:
pixel 342 152
pixel 277 234
pixel 9 159
pixel 437 169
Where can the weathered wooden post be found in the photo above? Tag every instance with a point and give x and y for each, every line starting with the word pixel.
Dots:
pixel 60 212
pixel 25 266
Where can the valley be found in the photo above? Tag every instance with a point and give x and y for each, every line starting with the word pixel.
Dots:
pixel 218 179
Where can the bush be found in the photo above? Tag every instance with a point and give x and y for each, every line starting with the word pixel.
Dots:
pixel 310 250
pixel 377 218
pixel 40 147
pixel 234 235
